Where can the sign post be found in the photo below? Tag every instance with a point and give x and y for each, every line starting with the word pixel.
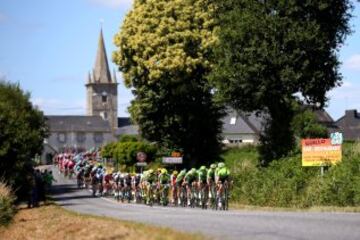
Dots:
pixel 141 157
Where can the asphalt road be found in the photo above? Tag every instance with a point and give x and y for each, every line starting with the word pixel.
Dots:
pixel 238 225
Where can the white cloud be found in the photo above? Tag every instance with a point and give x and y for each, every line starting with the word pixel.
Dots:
pixel 353 62
pixel 113 3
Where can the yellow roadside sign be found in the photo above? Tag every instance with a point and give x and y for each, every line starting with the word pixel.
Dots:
pixel 320 152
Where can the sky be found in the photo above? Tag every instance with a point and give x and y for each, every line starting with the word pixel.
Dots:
pixel 48 47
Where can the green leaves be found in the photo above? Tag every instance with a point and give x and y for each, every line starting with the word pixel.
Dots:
pixel 269 51
pixel 165 53
pixel 22 131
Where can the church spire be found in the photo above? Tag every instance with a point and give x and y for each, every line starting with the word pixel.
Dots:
pixel 114 77
pixel 101 68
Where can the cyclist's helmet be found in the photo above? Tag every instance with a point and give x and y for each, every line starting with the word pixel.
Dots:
pixel 193 170
pixel 213 166
pixel 175 173
pixel 221 165
pixel 163 171
pixel 202 168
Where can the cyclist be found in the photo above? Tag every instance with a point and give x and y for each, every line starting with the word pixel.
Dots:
pixel 179 184
pixel 151 180
pixel 222 174
pixel 127 188
pixel 190 182
pixel 107 179
pixel 210 179
pixel 136 187
pixel 164 181
pixel 202 186
pixel 173 186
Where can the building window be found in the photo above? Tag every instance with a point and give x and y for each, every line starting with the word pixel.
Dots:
pixel 61 137
pixel 104 97
pixel 104 115
pixel 233 121
pixel 80 137
pixel 98 137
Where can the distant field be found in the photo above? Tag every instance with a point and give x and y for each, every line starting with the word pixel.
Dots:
pixel 53 222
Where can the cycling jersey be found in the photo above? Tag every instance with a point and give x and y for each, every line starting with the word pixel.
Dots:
pixel 191 176
pixel 164 178
pixel 211 174
pixel 180 177
pixel 202 174
pixel 223 173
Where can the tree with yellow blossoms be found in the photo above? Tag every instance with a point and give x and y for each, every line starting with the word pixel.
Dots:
pixel 165 54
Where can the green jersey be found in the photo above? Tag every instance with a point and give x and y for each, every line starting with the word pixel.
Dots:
pixel 191 176
pixel 211 174
pixel 164 178
pixel 202 174
pixel 180 177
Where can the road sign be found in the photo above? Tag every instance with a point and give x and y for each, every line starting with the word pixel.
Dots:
pixel 141 164
pixel 336 138
pixel 172 160
pixel 141 156
pixel 320 152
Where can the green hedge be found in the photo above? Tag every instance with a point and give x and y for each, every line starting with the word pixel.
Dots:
pixel 7 209
pixel 285 183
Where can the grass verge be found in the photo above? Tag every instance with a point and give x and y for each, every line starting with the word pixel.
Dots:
pixel 54 222
pixel 239 206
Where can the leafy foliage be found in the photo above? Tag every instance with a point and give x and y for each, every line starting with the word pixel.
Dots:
pixel 165 52
pixel 305 125
pixel 285 183
pixel 7 209
pixel 128 138
pixel 125 152
pixel 270 50
pixel 22 131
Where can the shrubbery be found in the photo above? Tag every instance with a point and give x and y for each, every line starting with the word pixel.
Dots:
pixel 124 152
pixel 285 183
pixel 7 209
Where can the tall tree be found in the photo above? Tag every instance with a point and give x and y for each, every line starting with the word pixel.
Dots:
pixel 165 51
pixel 271 51
pixel 22 131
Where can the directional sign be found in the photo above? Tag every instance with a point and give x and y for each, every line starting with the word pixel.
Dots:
pixel 172 160
pixel 141 164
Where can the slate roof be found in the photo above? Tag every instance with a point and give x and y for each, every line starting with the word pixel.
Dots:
pixel 245 123
pixel 125 126
pixel 78 124
pixel 349 125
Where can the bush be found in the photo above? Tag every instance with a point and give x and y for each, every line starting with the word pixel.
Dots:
pixel 285 183
pixel 125 152
pixel 7 209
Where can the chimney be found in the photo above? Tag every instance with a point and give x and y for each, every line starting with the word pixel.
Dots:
pixel 351 113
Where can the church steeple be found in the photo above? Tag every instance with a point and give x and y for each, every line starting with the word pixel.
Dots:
pixel 101 68
pixel 101 89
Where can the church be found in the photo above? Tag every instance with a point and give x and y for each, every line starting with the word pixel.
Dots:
pixel 100 125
